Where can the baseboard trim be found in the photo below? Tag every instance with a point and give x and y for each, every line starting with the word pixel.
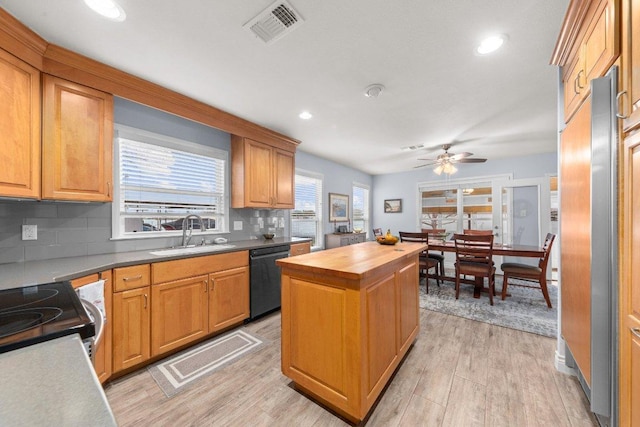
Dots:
pixel 561 366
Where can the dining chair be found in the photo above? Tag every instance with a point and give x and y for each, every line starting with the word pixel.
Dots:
pixel 530 273
pixel 474 257
pixel 425 263
pixel 438 256
pixel 377 232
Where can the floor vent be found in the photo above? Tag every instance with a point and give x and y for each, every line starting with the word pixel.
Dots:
pixel 274 22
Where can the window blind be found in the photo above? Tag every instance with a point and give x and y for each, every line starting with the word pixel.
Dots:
pixel 307 213
pixel 167 182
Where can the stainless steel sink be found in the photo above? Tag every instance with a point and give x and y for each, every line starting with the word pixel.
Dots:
pixel 191 250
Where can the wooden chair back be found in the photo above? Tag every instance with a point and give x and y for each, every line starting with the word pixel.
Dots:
pixel 406 236
pixel 474 252
pixel 478 232
pixel 544 260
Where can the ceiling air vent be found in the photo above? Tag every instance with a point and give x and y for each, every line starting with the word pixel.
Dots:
pixel 274 22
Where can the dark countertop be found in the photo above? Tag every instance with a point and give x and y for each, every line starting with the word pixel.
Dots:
pixel 19 274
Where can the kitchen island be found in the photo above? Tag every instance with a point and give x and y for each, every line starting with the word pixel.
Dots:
pixel 349 316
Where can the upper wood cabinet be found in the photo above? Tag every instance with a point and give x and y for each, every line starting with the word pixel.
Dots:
pixel 19 127
pixel 629 104
pixel 262 175
pixel 77 142
pixel 596 50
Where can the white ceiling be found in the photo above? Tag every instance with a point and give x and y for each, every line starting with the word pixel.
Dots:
pixel 437 90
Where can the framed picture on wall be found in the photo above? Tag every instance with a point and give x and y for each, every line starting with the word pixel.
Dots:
pixel 393 206
pixel 338 207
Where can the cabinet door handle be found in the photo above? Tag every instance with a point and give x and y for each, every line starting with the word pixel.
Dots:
pixel 213 283
pixel 145 300
pixel 578 79
pixel 206 285
pixel 108 189
pixel 126 279
pixel 635 331
pixel 618 113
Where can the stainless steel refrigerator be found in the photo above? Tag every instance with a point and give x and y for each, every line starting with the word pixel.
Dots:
pixel 602 392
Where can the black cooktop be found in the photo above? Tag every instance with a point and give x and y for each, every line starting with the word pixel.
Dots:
pixel 34 314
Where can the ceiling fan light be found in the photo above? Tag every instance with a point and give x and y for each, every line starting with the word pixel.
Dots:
pixel 447 168
pixel 438 170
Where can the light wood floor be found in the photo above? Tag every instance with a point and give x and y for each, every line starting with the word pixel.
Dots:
pixel 459 373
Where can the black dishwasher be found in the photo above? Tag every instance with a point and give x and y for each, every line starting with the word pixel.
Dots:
pixel 265 279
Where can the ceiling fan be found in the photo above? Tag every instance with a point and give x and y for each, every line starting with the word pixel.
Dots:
pixel 445 162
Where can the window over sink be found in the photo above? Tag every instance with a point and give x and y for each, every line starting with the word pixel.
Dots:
pixel 160 180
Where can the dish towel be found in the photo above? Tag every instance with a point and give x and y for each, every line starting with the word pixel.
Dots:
pixel 94 293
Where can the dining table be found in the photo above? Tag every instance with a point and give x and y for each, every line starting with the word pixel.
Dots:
pixel 501 249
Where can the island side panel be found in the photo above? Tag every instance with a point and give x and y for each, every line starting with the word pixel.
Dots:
pixel 321 346
pixel 381 332
pixel 408 279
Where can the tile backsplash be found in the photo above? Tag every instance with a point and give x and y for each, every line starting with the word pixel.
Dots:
pixel 77 229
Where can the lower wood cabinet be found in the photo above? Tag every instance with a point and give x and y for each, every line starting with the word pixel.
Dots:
pixel 228 298
pixel 194 297
pixel 131 327
pixel 178 313
pixel 164 306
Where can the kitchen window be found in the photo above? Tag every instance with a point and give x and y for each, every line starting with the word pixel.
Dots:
pixel 360 207
pixel 306 217
pixel 160 180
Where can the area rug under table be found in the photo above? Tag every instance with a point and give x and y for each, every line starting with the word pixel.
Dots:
pixel 176 372
pixel 525 310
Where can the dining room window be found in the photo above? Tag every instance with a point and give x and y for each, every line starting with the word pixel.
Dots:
pixel 360 208
pixel 160 180
pixel 458 205
pixel 306 216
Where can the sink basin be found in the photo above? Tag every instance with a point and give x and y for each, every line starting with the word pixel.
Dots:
pixel 191 250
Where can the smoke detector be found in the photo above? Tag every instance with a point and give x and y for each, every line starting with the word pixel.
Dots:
pixel 274 22
pixel 372 91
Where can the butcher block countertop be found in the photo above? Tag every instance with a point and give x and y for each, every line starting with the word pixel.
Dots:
pixel 354 262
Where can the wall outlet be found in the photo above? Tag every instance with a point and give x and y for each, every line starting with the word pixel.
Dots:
pixel 29 232
pixel 237 225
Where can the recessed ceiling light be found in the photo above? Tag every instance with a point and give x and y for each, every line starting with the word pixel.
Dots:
pixel 372 91
pixel 491 44
pixel 305 115
pixel 107 8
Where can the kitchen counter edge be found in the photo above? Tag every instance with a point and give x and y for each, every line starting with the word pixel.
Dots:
pixel 30 273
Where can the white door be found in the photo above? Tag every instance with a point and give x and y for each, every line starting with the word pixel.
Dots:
pixel 522 213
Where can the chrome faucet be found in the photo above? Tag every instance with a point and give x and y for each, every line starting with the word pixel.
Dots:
pixel 185 225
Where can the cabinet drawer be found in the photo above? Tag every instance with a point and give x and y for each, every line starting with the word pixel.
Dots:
pixel 136 276
pixel 300 248
pixel 180 268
